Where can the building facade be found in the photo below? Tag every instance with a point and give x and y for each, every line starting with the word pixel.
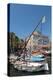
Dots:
pixel 37 39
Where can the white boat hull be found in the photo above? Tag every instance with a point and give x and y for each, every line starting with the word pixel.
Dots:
pixel 32 66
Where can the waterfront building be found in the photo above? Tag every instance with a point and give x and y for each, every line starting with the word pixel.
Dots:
pixel 36 41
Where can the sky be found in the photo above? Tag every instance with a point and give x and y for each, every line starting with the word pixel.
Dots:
pixel 24 18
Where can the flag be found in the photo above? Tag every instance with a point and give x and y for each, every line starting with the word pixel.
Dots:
pixel 43 19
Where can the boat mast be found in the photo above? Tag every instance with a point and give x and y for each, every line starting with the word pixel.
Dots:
pixel 34 29
pixel 26 42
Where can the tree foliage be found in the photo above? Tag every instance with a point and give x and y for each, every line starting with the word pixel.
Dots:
pixel 13 40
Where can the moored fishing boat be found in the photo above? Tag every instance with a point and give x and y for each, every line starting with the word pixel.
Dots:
pixel 36 63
